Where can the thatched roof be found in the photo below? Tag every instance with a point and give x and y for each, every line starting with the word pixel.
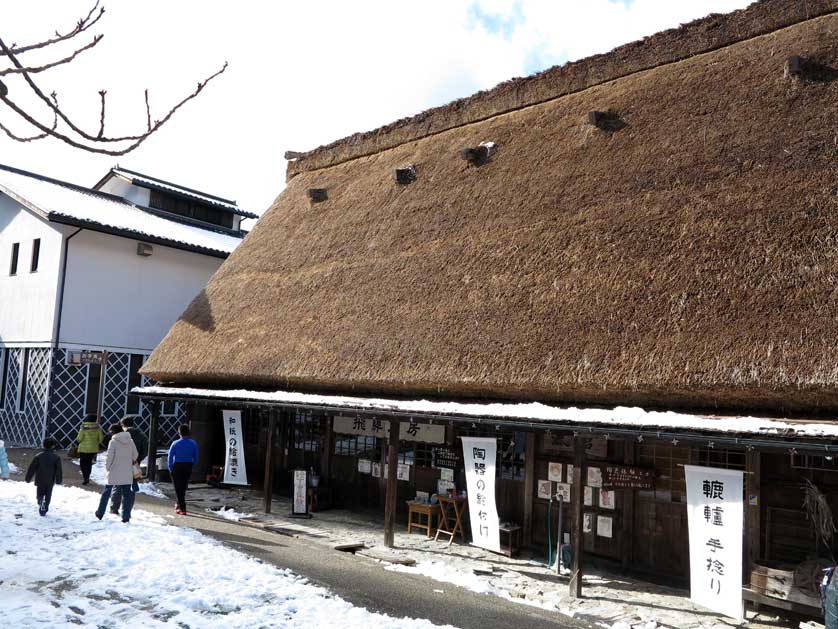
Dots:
pixel 686 255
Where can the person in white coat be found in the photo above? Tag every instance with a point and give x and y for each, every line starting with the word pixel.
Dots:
pixel 120 461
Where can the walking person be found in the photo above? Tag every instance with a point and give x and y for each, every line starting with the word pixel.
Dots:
pixel 141 443
pixel 89 441
pixel 122 454
pixel 183 456
pixel 4 461
pixel 45 469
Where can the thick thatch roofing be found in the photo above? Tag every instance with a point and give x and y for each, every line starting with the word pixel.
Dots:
pixel 685 255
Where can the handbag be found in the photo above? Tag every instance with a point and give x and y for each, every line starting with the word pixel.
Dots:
pixel 138 473
pixel 73 452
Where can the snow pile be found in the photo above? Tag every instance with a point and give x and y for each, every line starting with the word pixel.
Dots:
pixel 634 417
pixel 13 469
pixel 229 513
pixel 70 569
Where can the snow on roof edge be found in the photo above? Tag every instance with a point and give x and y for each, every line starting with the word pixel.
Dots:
pixel 535 411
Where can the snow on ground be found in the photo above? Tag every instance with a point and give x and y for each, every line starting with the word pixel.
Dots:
pixel 13 469
pixel 99 476
pixel 69 569
pixel 228 513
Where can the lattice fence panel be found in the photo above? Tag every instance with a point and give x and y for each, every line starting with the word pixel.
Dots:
pixel 67 398
pixel 116 388
pixel 15 427
pixel 167 424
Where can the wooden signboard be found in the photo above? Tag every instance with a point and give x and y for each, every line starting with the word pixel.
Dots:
pixel 627 477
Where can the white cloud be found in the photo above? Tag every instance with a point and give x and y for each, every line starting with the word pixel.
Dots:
pixel 301 73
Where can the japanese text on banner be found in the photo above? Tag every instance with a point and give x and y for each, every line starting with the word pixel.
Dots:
pixel 235 471
pixel 715 518
pixel 479 456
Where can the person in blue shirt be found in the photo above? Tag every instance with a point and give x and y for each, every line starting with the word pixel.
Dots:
pixel 183 456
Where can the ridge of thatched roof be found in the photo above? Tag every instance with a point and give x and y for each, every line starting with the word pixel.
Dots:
pixel 697 37
pixel 686 256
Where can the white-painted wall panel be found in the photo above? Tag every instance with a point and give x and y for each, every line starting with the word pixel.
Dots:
pixel 27 299
pixel 115 299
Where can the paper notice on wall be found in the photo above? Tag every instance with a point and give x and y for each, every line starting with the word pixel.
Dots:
pixel 446 473
pixel 569 471
pixel 235 470
pixel 403 472
pixel 554 472
pixel 589 497
pixel 364 466
pixel 563 490
pixel 606 498
pixel 594 477
pixel 376 470
pixel 715 519
pixel 604 525
pixel 442 486
pixel 545 489
pixel 479 456
pixel 588 522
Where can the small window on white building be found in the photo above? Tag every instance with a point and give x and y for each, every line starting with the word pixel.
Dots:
pixel 15 255
pixel 36 255
pixel 24 377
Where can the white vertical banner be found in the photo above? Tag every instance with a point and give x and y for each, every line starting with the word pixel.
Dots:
pixel 479 456
pixel 715 516
pixel 235 472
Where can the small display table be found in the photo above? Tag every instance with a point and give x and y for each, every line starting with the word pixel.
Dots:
pixel 420 509
pixel 452 512
pixel 513 534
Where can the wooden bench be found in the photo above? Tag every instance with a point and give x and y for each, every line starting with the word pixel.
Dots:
pixel 420 509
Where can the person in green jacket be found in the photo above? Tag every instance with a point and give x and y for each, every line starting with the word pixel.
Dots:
pixel 90 436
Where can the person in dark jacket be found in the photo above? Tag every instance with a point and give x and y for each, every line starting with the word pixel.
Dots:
pixel 45 468
pixel 183 456
pixel 141 443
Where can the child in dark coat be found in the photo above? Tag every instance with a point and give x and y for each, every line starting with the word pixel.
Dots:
pixel 45 468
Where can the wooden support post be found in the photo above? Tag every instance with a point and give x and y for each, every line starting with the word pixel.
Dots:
pixel 103 368
pixel 390 496
pixel 628 509
pixel 269 461
pixel 151 467
pixel 577 534
pixel 326 448
pixel 529 487
pixel 753 484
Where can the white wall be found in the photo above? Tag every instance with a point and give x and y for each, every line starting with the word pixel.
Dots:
pixel 117 300
pixel 128 191
pixel 27 300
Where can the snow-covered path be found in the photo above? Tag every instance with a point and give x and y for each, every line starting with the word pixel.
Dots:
pixel 69 569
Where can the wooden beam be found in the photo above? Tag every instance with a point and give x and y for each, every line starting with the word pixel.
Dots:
pixel 577 534
pixel 151 469
pixel 753 484
pixel 529 487
pixel 326 449
pixel 269 461
pixel 390 496
pixel 628 509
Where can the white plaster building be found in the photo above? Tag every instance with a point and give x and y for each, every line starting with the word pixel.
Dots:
pixel 106 268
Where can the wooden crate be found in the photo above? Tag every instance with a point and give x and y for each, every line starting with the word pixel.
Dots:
pixel 774 580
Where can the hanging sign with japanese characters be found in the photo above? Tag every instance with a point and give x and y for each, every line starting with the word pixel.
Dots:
pixel 374 427
pixel 235 472
pixel 715 517
pixel 365 426
pixel 479 456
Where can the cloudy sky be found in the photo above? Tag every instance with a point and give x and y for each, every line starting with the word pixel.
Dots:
pixel 301 74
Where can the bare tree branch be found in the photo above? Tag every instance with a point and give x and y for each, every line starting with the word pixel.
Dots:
pixel 81 26
pixel 36 69
pixel 85 140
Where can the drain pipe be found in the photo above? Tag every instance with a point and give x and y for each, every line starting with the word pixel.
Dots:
pixel 57 336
